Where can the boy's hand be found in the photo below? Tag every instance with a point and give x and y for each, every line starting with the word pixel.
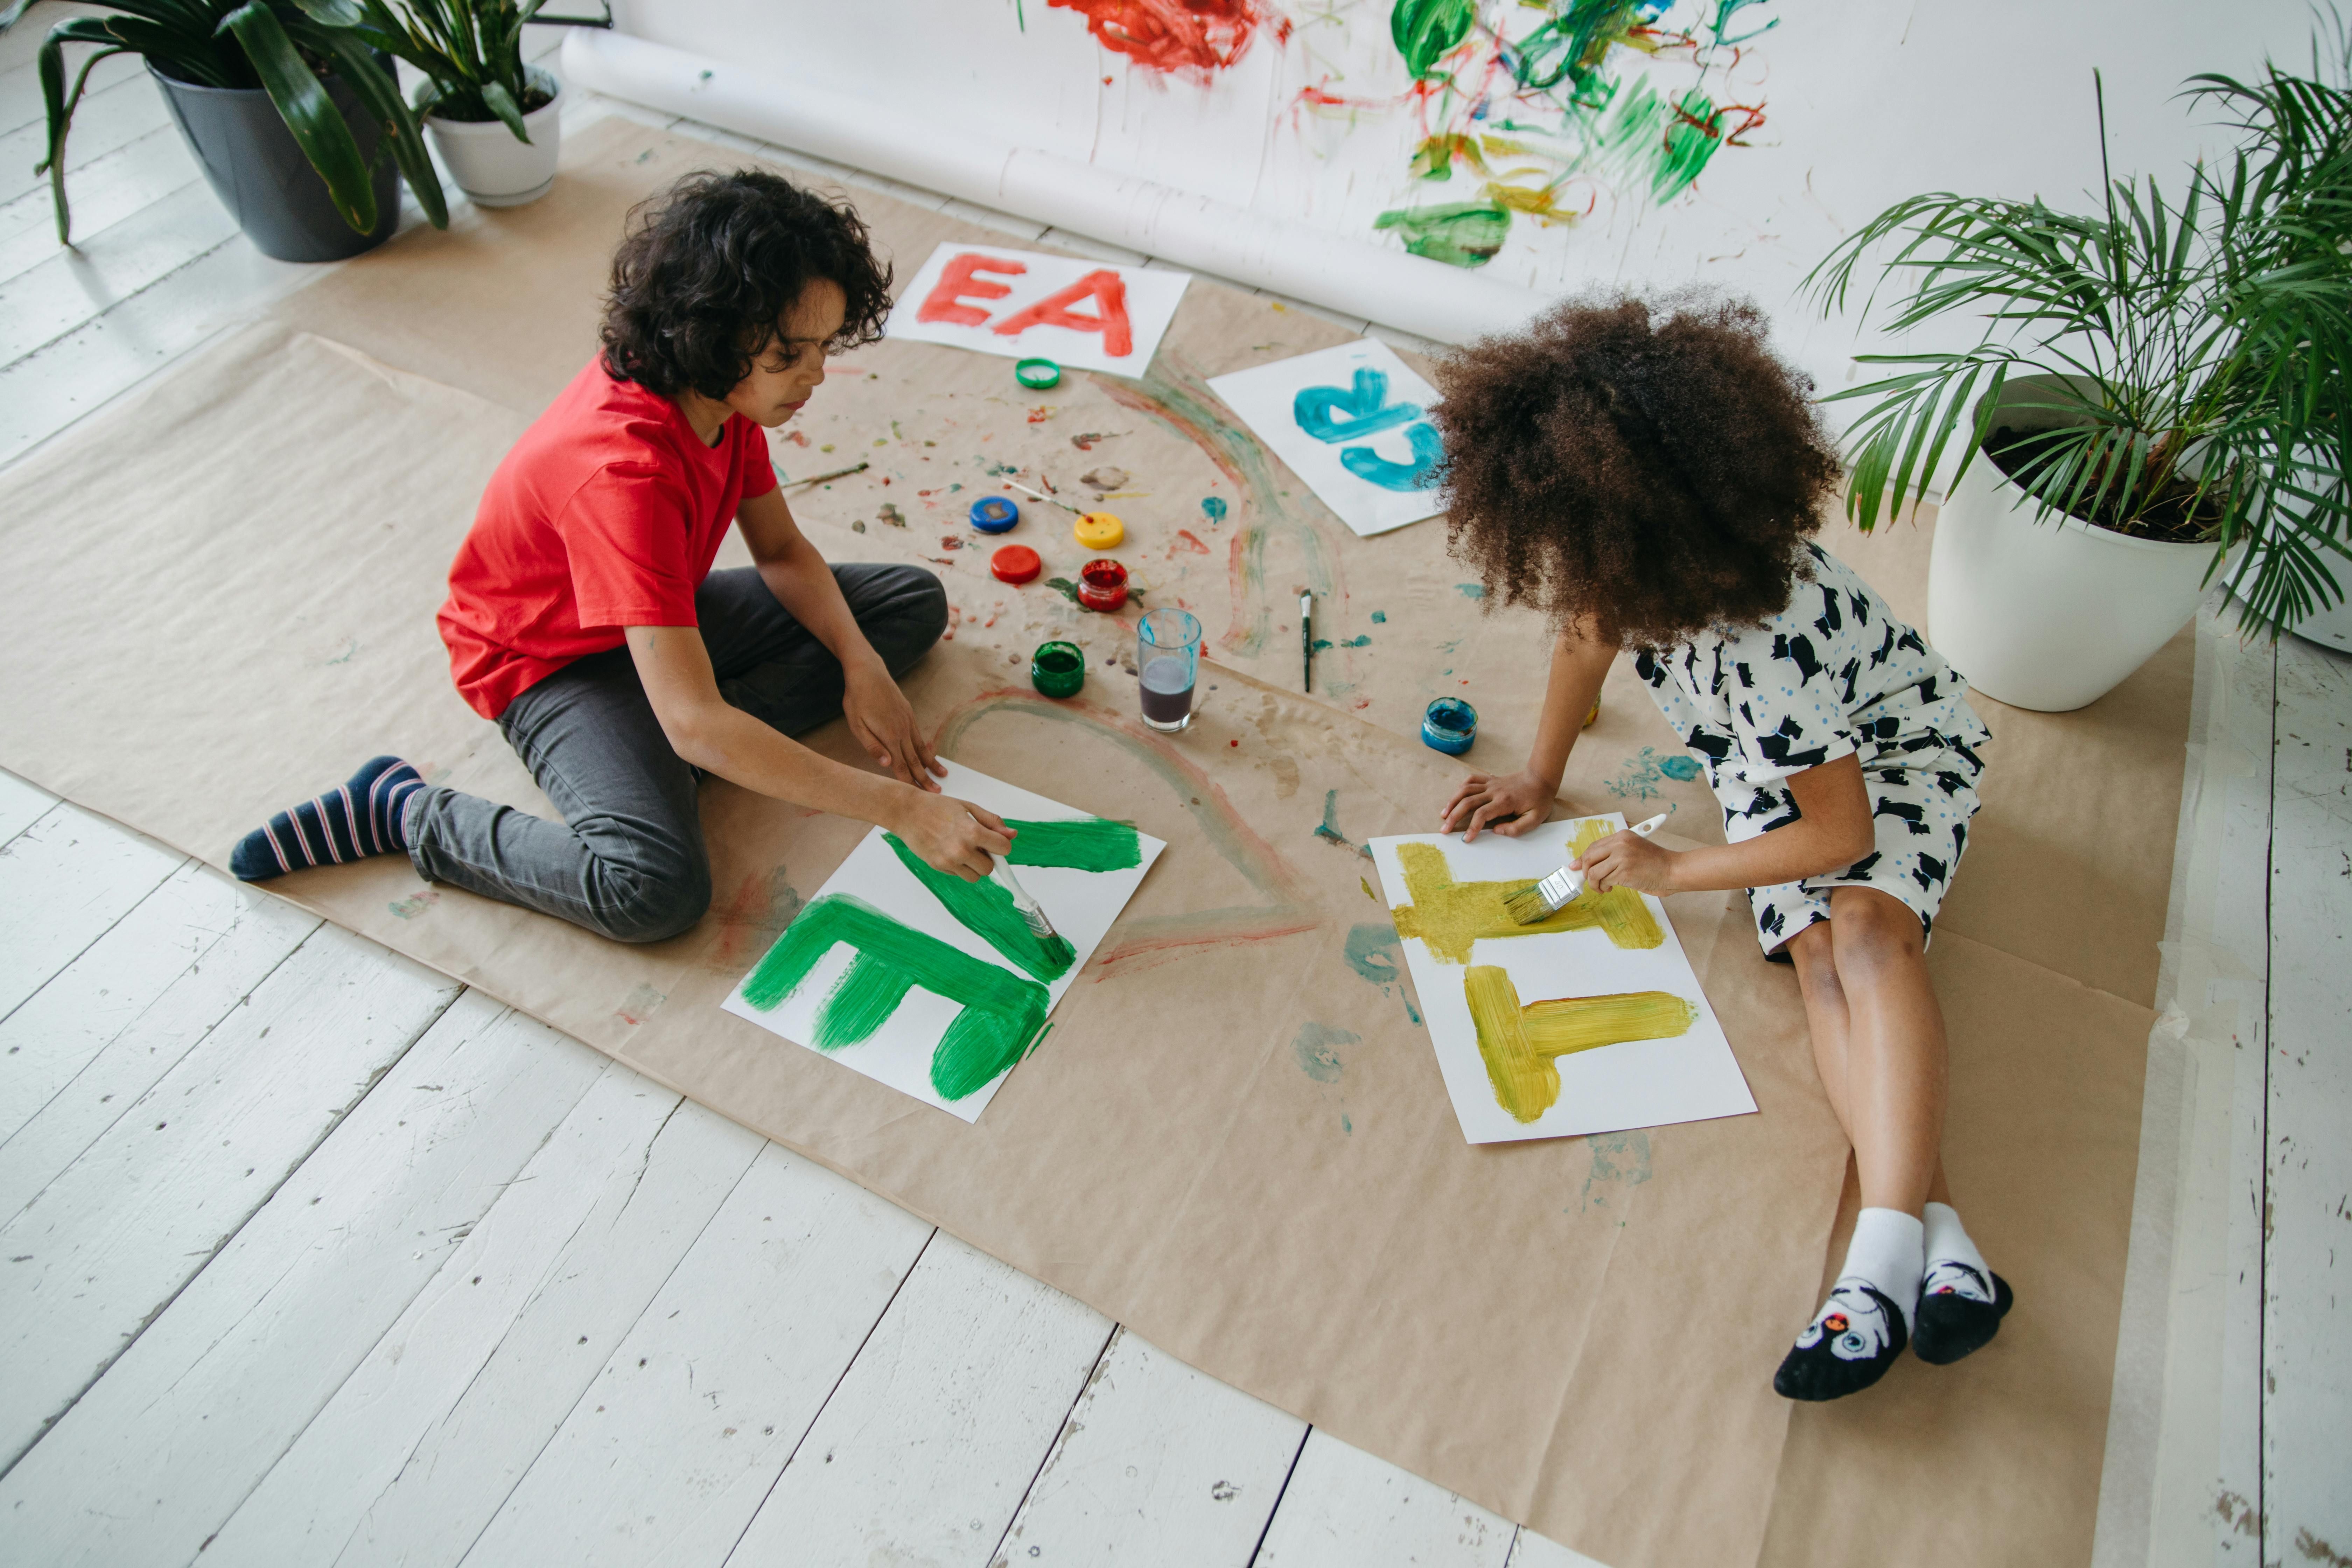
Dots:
pixel 1627 861
pixel 884 722
pixel 1506 803
pixel 951 835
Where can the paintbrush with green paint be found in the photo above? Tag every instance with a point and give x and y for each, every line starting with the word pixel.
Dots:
pixel 1049 501
pixel 1031 912
pixel 1547 897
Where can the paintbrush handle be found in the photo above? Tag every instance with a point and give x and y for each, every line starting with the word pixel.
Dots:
pixel 1643 829
pixel 1040 495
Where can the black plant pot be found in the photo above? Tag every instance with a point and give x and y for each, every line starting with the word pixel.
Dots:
pixel 260 174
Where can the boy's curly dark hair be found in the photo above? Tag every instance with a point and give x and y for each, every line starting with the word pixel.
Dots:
pixel 1647 469
pixel 709 268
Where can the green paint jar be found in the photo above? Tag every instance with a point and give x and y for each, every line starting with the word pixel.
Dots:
pixel 1058 668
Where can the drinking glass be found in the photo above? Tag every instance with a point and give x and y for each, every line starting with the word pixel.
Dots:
pixel 1167 664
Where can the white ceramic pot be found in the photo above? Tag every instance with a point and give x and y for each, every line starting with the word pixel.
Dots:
pixel 489 165
pixel 2053 614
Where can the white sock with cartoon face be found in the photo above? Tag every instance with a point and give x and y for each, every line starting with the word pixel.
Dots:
pixel 1955 1267
pixel 1866 1322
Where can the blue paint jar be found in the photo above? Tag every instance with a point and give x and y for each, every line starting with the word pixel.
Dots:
pixel 995 514
pixel 1449 726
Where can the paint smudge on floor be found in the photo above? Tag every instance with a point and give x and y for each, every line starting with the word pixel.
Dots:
pixel 1518 1043
pixel 1375 953
pixel 762 906
pixel 415 904
pixel 1100 480
pixel 1313 1048
pixel 1450 916
pixel 1213 509
pixel 1286 777
pixel 638 1006
pixel 1175 394
pixel 1084 440
pixel 892 515
pixel 1365 883
pixel 1327 829
pixel 1188 539
pixel 1380 617
pixel 1471 590
pixel 1001 1011
pixel 1621 1162
pixel 1196 38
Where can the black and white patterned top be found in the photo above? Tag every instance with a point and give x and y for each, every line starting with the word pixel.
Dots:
pixel 1834 673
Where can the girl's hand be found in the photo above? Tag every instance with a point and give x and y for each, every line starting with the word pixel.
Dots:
pixel 1509 805
pixel 884 722
pixel 952 835
pixel 1627 861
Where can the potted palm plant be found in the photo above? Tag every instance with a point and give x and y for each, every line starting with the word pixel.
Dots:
pixel 493 119
pixel 289 105
pixel 2162 394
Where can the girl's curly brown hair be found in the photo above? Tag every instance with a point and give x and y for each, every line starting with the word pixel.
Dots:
pixel 1645 469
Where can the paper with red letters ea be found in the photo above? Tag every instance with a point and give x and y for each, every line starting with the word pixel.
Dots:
pixel 1081 315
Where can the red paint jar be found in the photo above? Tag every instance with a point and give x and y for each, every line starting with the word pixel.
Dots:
pixel 1102 585
pixel 1016 563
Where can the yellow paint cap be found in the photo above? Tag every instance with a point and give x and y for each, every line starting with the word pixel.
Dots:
pixel 1099 530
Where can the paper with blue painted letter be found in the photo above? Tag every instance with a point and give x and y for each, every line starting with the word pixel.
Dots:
pixel 1351 421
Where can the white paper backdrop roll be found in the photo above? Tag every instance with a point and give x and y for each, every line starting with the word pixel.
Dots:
pixel 961 159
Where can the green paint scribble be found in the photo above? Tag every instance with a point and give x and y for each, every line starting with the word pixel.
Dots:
pixel 986 909
pixel 1471 590
pixel 1313 1048
pixel 1621 1162
pixel 1459 233
pixel 1213 508
pixel 1001 1011
pixel 1327 829
pixel 1425 31
pixel 1064 586
pixel 1380 617
pixel 1375 953
pixel 1643 775
pixel 1080 844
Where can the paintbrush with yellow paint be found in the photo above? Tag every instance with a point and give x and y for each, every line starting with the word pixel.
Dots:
pixel 1545 900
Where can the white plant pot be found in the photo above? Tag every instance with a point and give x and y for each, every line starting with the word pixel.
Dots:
pixel 2053 615
pixel 489 165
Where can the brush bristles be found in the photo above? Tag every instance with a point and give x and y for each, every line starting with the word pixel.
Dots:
pixel 1525 908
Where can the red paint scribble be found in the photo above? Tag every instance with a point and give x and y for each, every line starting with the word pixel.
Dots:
pixel 796 439
pixel 958 281
pixel 1192 542
pixel 1039 415
pixel 1105 288
pixel 1193 37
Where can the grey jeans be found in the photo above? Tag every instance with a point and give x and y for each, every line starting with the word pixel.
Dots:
pixel 627 862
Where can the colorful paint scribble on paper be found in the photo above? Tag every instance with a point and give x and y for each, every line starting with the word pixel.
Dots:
pixel 1185 38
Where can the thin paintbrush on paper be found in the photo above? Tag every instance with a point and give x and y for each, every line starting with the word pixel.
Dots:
pixel 1547 897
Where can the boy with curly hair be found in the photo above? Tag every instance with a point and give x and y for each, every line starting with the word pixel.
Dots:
pixel 584 619
pixel 1647 476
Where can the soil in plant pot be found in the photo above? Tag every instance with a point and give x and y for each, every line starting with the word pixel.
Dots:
pixel 2169 521
pixel 469 109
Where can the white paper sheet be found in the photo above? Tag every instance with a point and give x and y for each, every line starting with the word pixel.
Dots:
pixel 1351 421
pixel 902 1051
pixel 1082 315
pixel 1689 1076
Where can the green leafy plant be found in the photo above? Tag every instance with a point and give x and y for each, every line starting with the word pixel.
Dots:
pixel 2192 357
pixel 471 51
pixel 284 47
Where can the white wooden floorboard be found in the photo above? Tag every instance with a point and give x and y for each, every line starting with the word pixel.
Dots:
pixel 106 191
pixel 1529 1550
pixel 21 806
pixel 19 44
pixel 2308 1265
pixel 923 1453
pixel 99 1251
pixel 20 84
pixel 1344 1508
pixel 666 1456
pixel 156 1457
pixel 88 1044
pixel 106 265
pixel 107 119
pixel 63 881
pixel 421 1446
pixel 1157 1467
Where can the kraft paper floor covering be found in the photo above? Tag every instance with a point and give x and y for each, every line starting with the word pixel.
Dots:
pixel 221 591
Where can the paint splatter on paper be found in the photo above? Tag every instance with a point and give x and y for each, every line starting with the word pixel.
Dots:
pixel 1188 38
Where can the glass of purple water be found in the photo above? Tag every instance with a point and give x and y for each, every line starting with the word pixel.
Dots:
pixel 1167 664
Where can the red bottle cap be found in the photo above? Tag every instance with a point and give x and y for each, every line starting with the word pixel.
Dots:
pixel 1016 563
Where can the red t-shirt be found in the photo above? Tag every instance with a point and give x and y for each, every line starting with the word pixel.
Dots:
pixel 607 514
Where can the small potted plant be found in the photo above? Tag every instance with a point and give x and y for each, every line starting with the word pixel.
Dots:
pixel 290 109
pixel 2163 393
pixel 493 119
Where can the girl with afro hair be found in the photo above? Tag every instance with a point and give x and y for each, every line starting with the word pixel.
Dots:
pixel 1649 475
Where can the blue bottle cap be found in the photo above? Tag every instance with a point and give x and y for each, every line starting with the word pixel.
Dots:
pixel 995 514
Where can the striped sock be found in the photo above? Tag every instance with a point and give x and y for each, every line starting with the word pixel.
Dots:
pixel 351 822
